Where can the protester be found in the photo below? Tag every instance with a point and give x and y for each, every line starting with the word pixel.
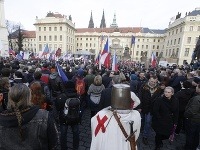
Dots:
pixel 165 116
pixel 26 126
pixel 108 124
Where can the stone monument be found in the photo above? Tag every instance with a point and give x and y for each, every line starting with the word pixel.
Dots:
pixel 3 31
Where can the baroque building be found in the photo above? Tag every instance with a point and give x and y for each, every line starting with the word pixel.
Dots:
pixel 57 31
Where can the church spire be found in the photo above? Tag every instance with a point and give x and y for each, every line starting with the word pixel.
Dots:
pixel 91 23
pixel 114 24
pixel 103 23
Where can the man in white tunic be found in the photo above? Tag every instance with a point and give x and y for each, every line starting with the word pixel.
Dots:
pixel 106 131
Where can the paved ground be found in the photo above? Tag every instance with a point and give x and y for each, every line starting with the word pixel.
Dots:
pixel 85 138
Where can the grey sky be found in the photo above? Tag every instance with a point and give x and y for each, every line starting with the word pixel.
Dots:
pixel 154 14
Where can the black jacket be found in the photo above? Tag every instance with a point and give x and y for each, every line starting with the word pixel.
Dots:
pixel 165 115
pixel 39 130
pixel 105 100
pixel 183 96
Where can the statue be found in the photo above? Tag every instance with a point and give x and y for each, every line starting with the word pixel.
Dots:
pixel 196 53
pixel 70 17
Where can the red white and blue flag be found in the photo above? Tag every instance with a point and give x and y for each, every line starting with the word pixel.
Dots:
pixel 153 60
pixel 46 50
pixel 98 58
pixel 105 56
pixel 114 63
pixel 11 52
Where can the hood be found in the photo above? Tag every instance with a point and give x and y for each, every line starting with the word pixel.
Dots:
pixel 9 119
pixel 133 77
pixel 71 93
pixel 53 75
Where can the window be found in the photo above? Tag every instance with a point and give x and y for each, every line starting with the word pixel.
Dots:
pixel 186 52
pixel 81 38
pixel 55 46
pixel 86 44
pixel 176 31
pixel 44 28
pixel 174 41
pixel 147 40
pixel 55 38
pixel 138 40
pixel 86 39
pixel 40 47
pixel 153 46
pixel 60 37
pixel 90 39
pixel 158 40
pixel 156 53
pixel 166 52
pixel 179 39
pixel 189 40
pixel 77 44
pixel 173 32
pixel 177 52
pixel 60 28
pixel 141 53
pixel 191 28
pixel 143 40
pixel 168 43
pixel 198 28
pixel 40 39
pixel 142 46
pixel 196 39
pixel 146 46
pixel 171 42
pixel 90 44
pixel 169 52
pixel 49 28
pixel 94 45
pixel 138 46
pixel 45 38
pixel 49 37
pixel 50 46
pixel 55 28
pixel 77 39
pixel 169 33
pixel 154 40
pixel 137 53
pixel 157 46
pixel 39 28
pixel 181 29
pixel 80 44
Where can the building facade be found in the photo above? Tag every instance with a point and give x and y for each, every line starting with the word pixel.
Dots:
pixel 3 31
pixel 182 35
pixel 57 31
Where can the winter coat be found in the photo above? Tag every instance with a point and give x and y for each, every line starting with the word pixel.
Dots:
pixel 94 93
pixel 60 103
pixel 192 110
pixel 183 96
pixel 147 99
pixel 105 100
pixel 55 84
pixel 175 82
pixel 134 86
pixel 38 130
pixel 165 115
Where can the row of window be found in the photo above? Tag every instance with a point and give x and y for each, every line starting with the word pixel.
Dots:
pixel 173 52
pixel 171 42
pixel 86 44
pixel 147 46
pixel 189 39
pixel 55 47
pixel 177 31
pixel 69 39
pixel 30 45
pixel 56 29
pixel 191 28
pixel 86 39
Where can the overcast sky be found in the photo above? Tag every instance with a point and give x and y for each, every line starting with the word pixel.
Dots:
pixel 154 14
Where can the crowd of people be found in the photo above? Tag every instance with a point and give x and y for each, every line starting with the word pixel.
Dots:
pixel 37 106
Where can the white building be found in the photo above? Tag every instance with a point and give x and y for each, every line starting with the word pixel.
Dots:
pixel 3 31
pixel 57 31
pixel 182 35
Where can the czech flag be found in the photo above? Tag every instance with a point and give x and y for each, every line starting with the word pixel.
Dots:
pixel 105 56
pixel 61 73
pixel 46 50
pixel 114 63
pixel 11 52
pixel 98 58
pixel 153 60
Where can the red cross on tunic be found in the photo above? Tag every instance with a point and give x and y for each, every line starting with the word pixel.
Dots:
pixel 100 124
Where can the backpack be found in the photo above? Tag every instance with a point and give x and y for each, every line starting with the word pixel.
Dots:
pixel 72 111
pixel 45 78
pixel 80 86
